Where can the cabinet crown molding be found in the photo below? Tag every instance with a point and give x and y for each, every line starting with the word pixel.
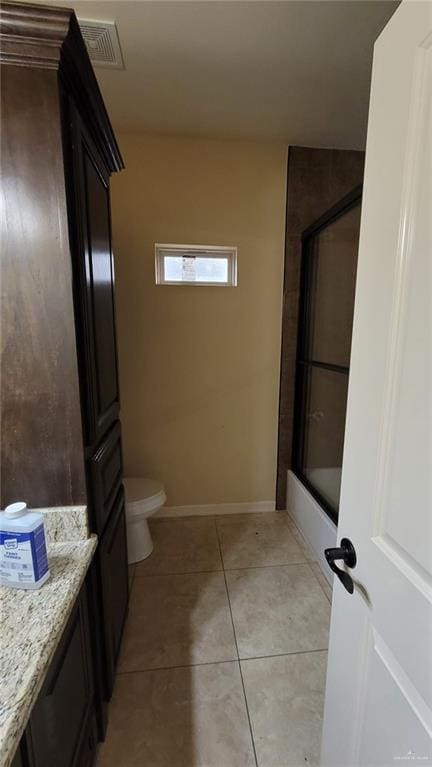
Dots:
pixel 44 37
pixel 32 35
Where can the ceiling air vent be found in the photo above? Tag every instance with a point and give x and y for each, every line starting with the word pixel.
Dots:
pixel 102 43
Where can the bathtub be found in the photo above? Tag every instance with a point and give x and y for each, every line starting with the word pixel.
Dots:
pixel 315 525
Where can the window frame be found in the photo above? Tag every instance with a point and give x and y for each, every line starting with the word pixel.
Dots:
pixel 163 250
pixel 304 362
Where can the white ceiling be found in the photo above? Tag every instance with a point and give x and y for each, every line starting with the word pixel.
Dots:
pixel 295 71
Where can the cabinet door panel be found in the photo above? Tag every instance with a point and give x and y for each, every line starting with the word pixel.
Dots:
pixel 100 275
pixel 94 283
pixel 115 585
pixel 61 713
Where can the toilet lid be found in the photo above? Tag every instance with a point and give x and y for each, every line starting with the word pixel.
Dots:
pixel 141 488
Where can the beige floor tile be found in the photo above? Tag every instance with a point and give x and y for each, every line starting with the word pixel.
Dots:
pixel 302 542
pixel 310 553
pixel 176 620
pixel 278 610
pixel 182 546
pixel 256 540
pixel 285 697
pixel 194 717
pixel 325 585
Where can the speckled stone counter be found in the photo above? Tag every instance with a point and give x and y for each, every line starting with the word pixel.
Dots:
pixel 65 523
pixel 31 626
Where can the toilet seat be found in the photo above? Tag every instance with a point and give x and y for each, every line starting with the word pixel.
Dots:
pixel 143 496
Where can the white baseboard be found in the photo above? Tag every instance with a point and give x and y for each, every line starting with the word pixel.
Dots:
pixel 211 509
pixel 314 524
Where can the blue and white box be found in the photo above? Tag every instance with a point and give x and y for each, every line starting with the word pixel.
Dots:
pixel 23 554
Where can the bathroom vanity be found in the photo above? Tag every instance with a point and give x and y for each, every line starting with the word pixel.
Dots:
pixel 47 682
pixel 61 434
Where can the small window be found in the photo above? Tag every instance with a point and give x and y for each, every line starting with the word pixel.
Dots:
pixel 196 265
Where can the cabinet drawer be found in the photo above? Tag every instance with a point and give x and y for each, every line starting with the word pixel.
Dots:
pixel 106 469
pixel 112 553
pixel 61 714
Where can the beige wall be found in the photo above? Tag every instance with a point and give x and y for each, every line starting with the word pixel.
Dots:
pixel 199 366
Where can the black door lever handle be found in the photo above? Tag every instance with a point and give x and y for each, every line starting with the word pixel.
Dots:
pixel 346 552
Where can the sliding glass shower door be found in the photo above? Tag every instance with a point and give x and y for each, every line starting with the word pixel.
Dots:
pixel 329 265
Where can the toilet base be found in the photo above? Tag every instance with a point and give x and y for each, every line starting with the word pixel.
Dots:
pixel 139 540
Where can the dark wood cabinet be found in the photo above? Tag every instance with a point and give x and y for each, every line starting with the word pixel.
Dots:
pixel 114 586
pixel 62 727
pixel 105 468
pixel 18 760
pixel 87 178
pixel 61 437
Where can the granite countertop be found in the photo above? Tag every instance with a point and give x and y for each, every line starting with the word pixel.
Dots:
pixel 32 623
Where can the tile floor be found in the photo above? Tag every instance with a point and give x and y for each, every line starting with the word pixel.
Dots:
pixel 224 654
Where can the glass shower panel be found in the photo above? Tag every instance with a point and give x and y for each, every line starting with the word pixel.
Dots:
pixel 332 286
pixel 325 410
pixel 328 277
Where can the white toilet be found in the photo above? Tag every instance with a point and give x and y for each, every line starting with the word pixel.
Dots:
pixel 144 497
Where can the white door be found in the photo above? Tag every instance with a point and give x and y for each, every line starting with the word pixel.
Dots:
pixel 378 707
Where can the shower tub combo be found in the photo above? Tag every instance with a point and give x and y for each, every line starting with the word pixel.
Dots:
pixel 328 276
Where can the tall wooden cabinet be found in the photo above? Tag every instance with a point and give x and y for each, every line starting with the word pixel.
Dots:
pixel 61 437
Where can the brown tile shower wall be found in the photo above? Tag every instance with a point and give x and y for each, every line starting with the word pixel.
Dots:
pixel 317 179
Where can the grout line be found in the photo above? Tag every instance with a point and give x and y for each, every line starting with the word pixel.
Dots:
pixel 225 569
pixel 326 596
pixel 238 654
pixel 267 567
pixel 180 572
pixel 172 668
pixel 302 540
pixel 188 572
pixel 283 654
pixel 218 662
pixel 132 581
pixel 329 598
pixel 155 520
pixel 221 559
